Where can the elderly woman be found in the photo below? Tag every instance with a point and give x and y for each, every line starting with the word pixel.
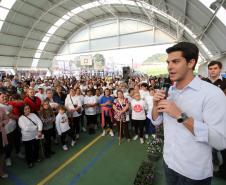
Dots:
pixel 121 107
pixel 33 101
pixel 73 105
pixel 31 129
pixel 3 140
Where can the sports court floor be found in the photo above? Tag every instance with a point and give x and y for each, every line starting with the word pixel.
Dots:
pixel 94 160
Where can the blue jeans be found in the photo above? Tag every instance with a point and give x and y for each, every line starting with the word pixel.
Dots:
pixel 149 127
pixel 174 178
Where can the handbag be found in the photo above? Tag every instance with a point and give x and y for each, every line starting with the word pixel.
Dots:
pixel 75 106
pixel 35 124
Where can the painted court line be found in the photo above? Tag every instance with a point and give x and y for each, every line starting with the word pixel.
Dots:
pixel 100 154
pixel 16 180
pixel 61 167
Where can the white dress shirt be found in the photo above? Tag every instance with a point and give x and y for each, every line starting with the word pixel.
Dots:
pixel 191 155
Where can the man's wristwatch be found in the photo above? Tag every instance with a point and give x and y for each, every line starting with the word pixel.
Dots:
pixel 183 117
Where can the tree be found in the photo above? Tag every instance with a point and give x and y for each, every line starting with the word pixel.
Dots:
pixel 156 58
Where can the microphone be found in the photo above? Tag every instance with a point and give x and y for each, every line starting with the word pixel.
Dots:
pixel 166 89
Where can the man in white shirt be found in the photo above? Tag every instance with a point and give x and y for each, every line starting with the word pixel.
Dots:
pixel 194 120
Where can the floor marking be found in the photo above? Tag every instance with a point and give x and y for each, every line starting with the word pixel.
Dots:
pixel 16 180
pixel 92 162
pixel 61 167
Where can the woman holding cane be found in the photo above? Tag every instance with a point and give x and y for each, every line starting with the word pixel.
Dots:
pixel 121 115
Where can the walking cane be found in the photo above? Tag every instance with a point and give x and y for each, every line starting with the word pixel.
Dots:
pixel 41 147
pixel 120 132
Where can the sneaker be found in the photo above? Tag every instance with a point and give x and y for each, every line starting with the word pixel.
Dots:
pixel 104 133
pixel 141 141
pixel 8 162
pixel 83 129
pixel 135 137
pixel 38 160
pixel 73 143
pixel 4 176
pixel 146 136
pixel 21 155
pixel 65 148
pixel 77 136
pixel 111 133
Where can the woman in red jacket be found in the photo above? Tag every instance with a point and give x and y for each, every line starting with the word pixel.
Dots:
pixel 33 101
pixel 16 104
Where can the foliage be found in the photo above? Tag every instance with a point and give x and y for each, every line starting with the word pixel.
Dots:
pixel 156 58
pixel 153 70
pixel 154 147
pixel 145 174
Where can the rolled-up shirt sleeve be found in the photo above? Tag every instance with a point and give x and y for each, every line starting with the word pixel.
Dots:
pixel 213 128
pixel 157 121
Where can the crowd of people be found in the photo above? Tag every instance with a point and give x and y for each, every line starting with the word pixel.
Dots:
pixel 53 109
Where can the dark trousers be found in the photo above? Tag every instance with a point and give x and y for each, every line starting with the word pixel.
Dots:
pixel 91 120
pixel 124 129
pixel 223 166
pixel 82 118
pixel 76 121
pixel 174 178
pixel 53 131
pixel 149 127
pixel 47 141
pixel 31 150
pixel 13 142
pixel 98 119
pixel 139 124
pixel 108 121
pixel 65 134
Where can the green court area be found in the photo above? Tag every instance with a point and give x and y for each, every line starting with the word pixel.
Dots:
pixel 101 162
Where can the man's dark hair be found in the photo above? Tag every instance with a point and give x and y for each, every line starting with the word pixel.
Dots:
pixel 189 51
pixel 130 89
pixel 144 85
pixel 215 63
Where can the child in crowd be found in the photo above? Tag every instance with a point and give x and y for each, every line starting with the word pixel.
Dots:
pixel 63 128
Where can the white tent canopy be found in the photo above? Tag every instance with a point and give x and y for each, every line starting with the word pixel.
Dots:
pixel 32 32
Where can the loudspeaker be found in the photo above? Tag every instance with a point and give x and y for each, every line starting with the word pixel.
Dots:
pixel 126 72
